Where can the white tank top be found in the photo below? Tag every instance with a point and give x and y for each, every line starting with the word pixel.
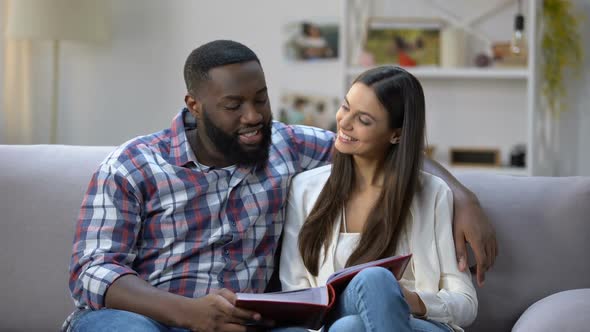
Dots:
pixel 347 242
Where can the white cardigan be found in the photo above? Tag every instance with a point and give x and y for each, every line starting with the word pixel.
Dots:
pixel 447 293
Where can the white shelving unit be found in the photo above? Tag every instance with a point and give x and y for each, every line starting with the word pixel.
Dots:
pixel 466 106
pixel 516 171
pixel 474 73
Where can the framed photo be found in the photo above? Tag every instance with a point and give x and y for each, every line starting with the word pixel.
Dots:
pixel 310 110
pixel 309 40
pixel 405 42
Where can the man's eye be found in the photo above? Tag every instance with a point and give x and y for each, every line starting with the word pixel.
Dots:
pixel 232 107
pixel 261 101
pixel 344 107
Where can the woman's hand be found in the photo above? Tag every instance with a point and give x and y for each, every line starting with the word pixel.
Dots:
pixel 417 307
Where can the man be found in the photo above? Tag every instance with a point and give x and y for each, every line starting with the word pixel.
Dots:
pixel 175 222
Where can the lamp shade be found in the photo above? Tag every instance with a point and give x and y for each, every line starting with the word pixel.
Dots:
pixel 82 20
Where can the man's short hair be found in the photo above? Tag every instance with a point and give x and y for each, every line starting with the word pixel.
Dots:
pixel 213 54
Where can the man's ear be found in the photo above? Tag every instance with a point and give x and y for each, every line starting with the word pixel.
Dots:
pixel 193 105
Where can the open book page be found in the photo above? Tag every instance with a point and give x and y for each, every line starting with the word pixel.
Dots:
pixel 315 295
pixel 396 264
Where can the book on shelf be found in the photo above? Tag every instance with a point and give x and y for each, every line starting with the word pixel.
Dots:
pixel 309 306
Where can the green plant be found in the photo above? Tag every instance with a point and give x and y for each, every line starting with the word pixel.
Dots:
pixel 561 49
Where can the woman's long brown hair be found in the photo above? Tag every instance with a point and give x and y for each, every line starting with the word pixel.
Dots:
pixel 401 95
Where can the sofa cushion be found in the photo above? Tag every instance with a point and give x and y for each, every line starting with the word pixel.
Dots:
pixel 41 188
pixel 542 230
pixel 541 223
pixel 564 311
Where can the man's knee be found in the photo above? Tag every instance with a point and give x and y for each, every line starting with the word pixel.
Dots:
pixel 289 329
pixel 114 320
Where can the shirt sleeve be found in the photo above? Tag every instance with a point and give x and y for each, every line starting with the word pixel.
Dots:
pixel 456 302
pixel 314 146
pixel 106 233
pixel 293 273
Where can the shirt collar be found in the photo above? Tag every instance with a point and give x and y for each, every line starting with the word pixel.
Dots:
pixel 181 152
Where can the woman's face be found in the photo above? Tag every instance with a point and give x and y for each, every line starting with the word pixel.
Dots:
pixel 363 124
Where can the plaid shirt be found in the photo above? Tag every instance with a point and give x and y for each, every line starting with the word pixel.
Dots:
pixel 151 211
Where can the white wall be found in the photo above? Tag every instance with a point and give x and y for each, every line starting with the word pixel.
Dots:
pixel 2 13
pixel 574 126
pixel 580 103
pixel 133 84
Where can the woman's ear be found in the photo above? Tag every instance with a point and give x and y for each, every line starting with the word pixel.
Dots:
pixel 395 137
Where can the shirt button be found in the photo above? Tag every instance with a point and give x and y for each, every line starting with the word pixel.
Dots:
pixel 226 252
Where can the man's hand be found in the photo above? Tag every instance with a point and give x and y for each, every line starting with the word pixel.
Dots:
pixel 213 312
pixel 470 225
pixel 217 312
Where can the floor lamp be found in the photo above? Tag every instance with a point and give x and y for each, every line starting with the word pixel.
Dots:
pixel 57 21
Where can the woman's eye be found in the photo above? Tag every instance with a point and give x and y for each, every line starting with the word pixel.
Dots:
pixel 364 120
pixel 344 107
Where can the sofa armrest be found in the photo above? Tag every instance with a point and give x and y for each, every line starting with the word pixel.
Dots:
pixel 563 311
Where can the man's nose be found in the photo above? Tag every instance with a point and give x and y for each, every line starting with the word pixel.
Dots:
pixel 251 115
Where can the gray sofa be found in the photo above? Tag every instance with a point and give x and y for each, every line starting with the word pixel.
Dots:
pixel 542 224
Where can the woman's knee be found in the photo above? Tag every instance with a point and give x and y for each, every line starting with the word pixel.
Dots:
pixel 352 323
pixel 376 284
pixel 376 276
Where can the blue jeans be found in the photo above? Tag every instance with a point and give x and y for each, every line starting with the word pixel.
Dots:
pixel 111 320
pixel 373 301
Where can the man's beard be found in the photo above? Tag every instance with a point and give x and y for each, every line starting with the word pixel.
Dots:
pixel 230 146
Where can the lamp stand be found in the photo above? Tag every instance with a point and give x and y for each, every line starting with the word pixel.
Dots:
pixel 54 93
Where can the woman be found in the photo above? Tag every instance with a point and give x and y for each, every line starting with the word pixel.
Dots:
pixel 374 202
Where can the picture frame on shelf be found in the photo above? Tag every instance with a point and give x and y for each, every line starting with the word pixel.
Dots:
pixel 311 40
pixel 407 42
pixel 311 110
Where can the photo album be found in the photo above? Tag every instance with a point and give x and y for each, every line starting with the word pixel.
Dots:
pixel 309 306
